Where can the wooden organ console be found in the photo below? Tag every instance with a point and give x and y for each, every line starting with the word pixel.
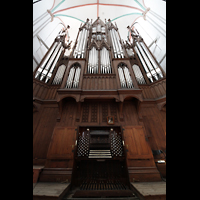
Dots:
pixel 100 161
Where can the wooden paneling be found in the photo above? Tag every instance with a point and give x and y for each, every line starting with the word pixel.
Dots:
pixel 154 90
pixel 155 125
pixel 62 143
pixel 44 91
pixel 68 115
pixel 99 82
pixel 135 142
pixel 130 113
pixel 43 130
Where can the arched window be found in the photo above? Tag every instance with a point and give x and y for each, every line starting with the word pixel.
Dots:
pixel 59 75
pixel 138 74
pixel 74 76
pixel 124 76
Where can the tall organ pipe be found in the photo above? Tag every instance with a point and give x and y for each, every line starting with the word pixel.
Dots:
pixel 116 42
pixel 114 48
pixel 83 48
pixel 53 56
pixel 78 43
pixel 53 65
pixel 81 42
pixel 116 45
pixel 149 55
pixel 144 56
pixel 120 47
pixel 46 59
pixel 143 63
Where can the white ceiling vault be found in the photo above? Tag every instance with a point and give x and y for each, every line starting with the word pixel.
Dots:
pixel 147 16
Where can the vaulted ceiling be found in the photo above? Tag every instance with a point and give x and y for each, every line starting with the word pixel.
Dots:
pixel 124 13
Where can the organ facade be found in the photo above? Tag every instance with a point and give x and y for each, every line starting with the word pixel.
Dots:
pixel 99 114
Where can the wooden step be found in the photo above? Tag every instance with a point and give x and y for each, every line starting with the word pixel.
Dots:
pixel 150 190
pixel 50 190
pixel 103 193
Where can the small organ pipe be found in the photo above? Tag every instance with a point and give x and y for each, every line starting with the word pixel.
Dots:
pixel 101 61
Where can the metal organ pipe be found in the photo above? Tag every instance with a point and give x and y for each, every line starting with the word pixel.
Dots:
pixel 53 56
pixel 120 47
pixel 114 48
pixel 141 58
pixel 45 60
pixel 78 44
pixel 59 74
pixel 144 56
pixel 70 78
pixel 84 42
pixel 143 63
pixel 54 64
pixel 76 78
pixel 121 77
pixel 44 72
pixel 151 59
pixel 116 44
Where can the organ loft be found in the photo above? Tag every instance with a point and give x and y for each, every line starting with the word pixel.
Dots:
pixel 99 114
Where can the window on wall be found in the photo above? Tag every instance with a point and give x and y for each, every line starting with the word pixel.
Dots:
pixel 138 74
pixel 124 76
pixel 74 76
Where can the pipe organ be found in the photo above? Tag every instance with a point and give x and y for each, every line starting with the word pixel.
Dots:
pixel 95 110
